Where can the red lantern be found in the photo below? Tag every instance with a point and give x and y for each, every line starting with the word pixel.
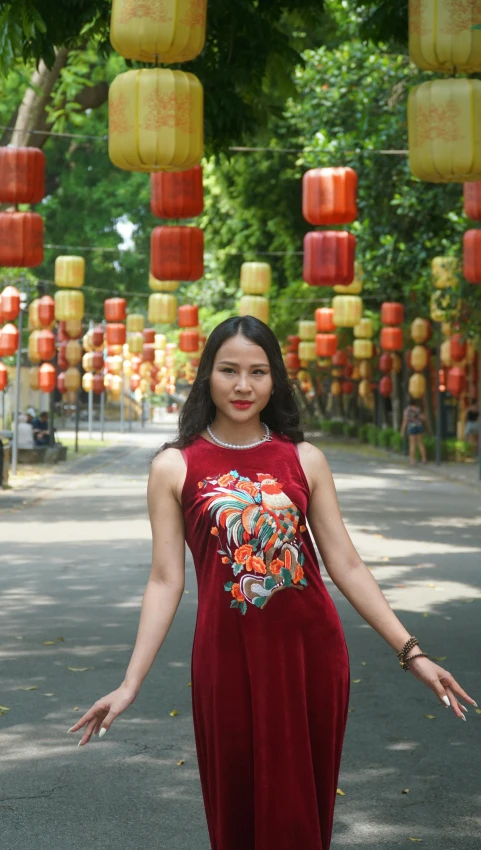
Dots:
pixel 62 361
pixel 61 382
pixel 47 377
pixel 385 386
pixel 62 335
pixel 97 336
pixel 46 310
pixel 46 345
pixel 177 253
pixel 348 370
pixel 148 353
pixel 347 387
pixel 116 333
pixel 8 340
pixel 135 363
pixel 98 383
pixel 149 334
pixel 391 339
pixel 385 363
pixel 329 258
pixel 324 317
pixel 293 344
pixel 97 361
pixel 177 194
pixel 188 316
pixel 458 348
pixel 472 200
pixel 22 175
pixel 456 383
pixel 10 299
pixel 329 195
pixel 134 381
pixel 3 376
pixel 472 256
pixel 339 358
pixel 21 239
pixel 115 309
pixel 392 313
pixel 292 361
pixel 326 345
pixel 189 341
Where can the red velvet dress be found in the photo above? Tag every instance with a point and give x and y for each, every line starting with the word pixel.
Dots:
pixel 270 667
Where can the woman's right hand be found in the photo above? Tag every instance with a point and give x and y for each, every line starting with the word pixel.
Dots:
pixel 104 712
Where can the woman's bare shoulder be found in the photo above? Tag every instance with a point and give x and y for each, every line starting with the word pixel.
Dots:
pixel 310 453
pixel 168 468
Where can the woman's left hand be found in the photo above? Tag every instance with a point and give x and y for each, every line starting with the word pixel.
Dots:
pixel 442 683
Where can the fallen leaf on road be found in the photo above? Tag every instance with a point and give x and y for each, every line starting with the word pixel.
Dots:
pixel 353 709
pixel 48 695
pixel 364 663
pixel 341 793
pixel 75 708
pixel 189 685
pixel 181 761
pixel 356 681
pixel 405 791
pixel 186 591
pixel 31 688
pixel 59 638
pixel 414 839
pixel 79 669
pixel 4 708
pixel 49 643
pixel 439 657
pixel 425 615
pixel 430 716
pixel 173 713
pixel 478 711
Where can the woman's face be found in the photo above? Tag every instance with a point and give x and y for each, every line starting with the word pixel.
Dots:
pixel 241 381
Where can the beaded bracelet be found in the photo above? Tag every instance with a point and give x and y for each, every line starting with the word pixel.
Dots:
pixel 410 643
pixel 405 664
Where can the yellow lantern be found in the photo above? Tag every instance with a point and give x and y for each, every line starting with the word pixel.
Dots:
pixel 397 363
pixel 356 373
pixel 114 364
pixel 162 309
pixel 364 330
pixel 127 368
pixel 162 285
pixel 87 362
pixel 87 341
pixel 440 303
pixel 146 369
pixel 70 272
pixel 354 288
pixel 88 382
pixel 446 329
pixel 306 330
pixel 69 304
pixel 73 352
pixel 135 341
pixel 362 349
pixel 417 385
pixel 135 323
pixel 254 305
pixel 74 328
pixel 33 354
pixel 117 349
pixel 72 379
pixel 419 330
pixel 115 387
pixel 159 357
pixel 160 342
pixel 307 350
pixel 445 353
pixel 365 369
pixel 441 37
pixel 336 388
pixel 337 373
pixel 347 310
pixel 33 378
pixel 155 31
pixel 444 131
pixel 419 358
pixel 255 278
pixel 34 323
pixel 155 120
pixel 445 270
pixel 364 388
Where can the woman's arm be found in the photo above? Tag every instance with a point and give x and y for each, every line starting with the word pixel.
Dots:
pixel 404 423
pixel 353 578
pixel 165 584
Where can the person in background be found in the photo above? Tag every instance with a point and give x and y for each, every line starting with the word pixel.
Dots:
pixel 413 420
pixel 25 432
pixel 30 413
pixel 41 431
pixel 471 430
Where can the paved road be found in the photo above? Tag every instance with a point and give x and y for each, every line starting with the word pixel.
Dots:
pixel 73 565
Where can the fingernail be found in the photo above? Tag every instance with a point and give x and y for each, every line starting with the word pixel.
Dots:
pixel 474 703
pixel 464 708
pixel 79 743
pixel 446 701
pixel 102 732
pixel 463 717
pixel 69 730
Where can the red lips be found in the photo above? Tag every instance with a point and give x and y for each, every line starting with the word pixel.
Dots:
pixel 242 405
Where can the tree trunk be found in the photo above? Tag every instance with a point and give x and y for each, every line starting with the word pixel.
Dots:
pixel 31 113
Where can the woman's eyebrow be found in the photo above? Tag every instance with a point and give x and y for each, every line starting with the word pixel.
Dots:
pixel 231 363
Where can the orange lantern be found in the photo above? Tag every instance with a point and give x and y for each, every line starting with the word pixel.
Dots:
pixel 472 200
pixel 3 376
pixel 10 299
pixel 329 257
pixel 46 345
pixel 188 316
pixel 22 175
pixel 115 309
pixel 97 336
pixel 47 378
pixel 324 317
pixel 329 195
pixel 472 256
pixel 347 387
pixel 339 358
pixel 21 239
pixel 177 194
pixel 177 253
pixel 189 341
pixel 148 353
pixel 98 384
pixel 8 340
pixel 456 383
pixel 292 343
pixel 116 334
pixel 326 345
pixel 392 313
pixel 391 339
pixel 46 310
pixel 385 386
pixel 134 382
pixel 458 348
pixel 148 335
pixel 292 361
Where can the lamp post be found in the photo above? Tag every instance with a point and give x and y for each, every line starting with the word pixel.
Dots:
pixel 23 304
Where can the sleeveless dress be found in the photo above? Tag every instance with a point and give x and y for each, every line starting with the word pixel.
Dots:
pixel 270 666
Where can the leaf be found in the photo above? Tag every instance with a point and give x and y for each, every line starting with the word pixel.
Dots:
pixel 243 607
pixel 258 601
pixel 49 643
pixel 286 575
pixel 430 716
pixel 356 681
pixel 478 710
pixel 234 604
pixel 4 708
pixel 79 669
pixel 303 581
pixel 425 615
pixel 269 583
pixel 414 839
pixel 405 791
pixel 75 708
pixel 173 713
pixel 228 585
pixel 189 685
pixel 59 639
pixel 340 793
pixel 364 663
pixel 30 688
pixel 186 591
pixel 351 710
pixel 439 657
pixel 48 695
pixel 181 761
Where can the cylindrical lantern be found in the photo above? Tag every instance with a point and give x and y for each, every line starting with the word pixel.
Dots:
pixel 458 348
pixel 362 349
pixel 329 257
pixel 444 130
pixel 162 308
pixel 8 340
pixel 21 239
pixel 326 345
pixel 329 195
pixel 472 256
pixel 70 272
pixel 292 361
pixel 46 345
pixel 385 362
pixel 354 288
pixel 306 329
pixel 134 382
pixel 22 175
pixel 34 323
pixel 255 278
pixel 98 384
pixel 419 330
pixel 188 316
pixel 336 388
pixel 88 382
pixel 3 377
pixel 162 285
pixel 392 313
pixel 33 378
pixel 178 194
pixel 307 350
pixel 445 353
pixel 365 369
pixel 116 333
pixel 456 383
pixel 170 31
pixel 364 388
pixel 324 317
pixel 69 304
pixel 417 385
pixel 46 310
pixel 98 337
pixel 72 379
pixel 472 200
pixel 156 121
pixel 254 305
pixel 189 341
pixel 148 352
pixel 364 329
pixel 339 358
pixel 47 378
pixel 347 387
pixel 115 309
pixel 292 343
pixel 442 38
pixel 419 358
pixel 32 350
pixel 347 310
pixel 177 253
pixel 135 341
pixel 444 272
pixel 149 335
pixel 10 301
pixel 391 339
pixel 73 352
pixel 135 323
pixel 385 386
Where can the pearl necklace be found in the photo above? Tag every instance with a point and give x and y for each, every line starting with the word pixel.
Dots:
pixel 267 438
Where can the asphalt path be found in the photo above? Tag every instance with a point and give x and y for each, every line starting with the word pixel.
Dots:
pixel 73 565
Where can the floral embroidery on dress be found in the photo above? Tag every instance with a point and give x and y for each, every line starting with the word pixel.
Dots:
pixel 260 536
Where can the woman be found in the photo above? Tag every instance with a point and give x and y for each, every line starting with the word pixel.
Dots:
pixel 270 668
pixel 413 419
pixel 471 429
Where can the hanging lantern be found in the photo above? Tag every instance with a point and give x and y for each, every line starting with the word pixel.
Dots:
pixel 8 340
pixel 46 345
pixel 74 328
pixel 385 362
pixel 69 304
pixel 98 384
pixel 148 335
pixel 160 341
pixel 292 343
pixel 61 383
pixel 162 285
pixel 444 130
pixel 419 358
pixel 72 379
pixel 306 329
pixel 329 195
pixel 419 330
pixel 307 351
pixel 47 378
pixel 135 341
pixel 444 272
pixel 324 317
pixel 93 361
pixel 254 305
pixel 135 363
pixel 391 339
pixel 472 256
pixel 45 311
pixel 347 310
pixel 347 387
pixel 3 377
pixel 10 299
pixel 441 35
pixel 135 323
pixel 155 121
pixel 22 175
pixel 397 363
pixel 417 385
pixel 189 341
pixel 167 32
pixel 326 345
pixel 33 378
pixel 329 257
pixel 70 272
pixel 134 382
pixel 392 313
pixel 162 308
pixel 87 382
pixel 385 386
pixel 364 329
pixel 177 253
pixel 339 358
pixel 292 361
pixel 34 323
pixel 73 352
pixel 113 364
pixel 148 352
pixel 255 278
pixel 362 349
pixel 115 309
pixel 472 200
pixel 365 369
pixel 21 239
pixel 177 194
pixel 116 333
pixel 188 316
pixel 97 337
pixel 445 353
pixel 458 348
pixel 354 288
pixel 336 388
pixel 364 388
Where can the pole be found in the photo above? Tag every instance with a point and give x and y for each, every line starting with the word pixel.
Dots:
pixel 77 419
pixel 91 411
pixel 479 412
pixel 404 401
pixel 438 396
pixel 122 405
pixel 23 302
pixel 51 435
pixel 130 410
pixel 102 414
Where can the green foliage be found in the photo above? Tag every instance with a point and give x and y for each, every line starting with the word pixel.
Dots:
pixel 384 437
pixel 351 429
pixel 372 434
pixel 396 442
pixel 363 433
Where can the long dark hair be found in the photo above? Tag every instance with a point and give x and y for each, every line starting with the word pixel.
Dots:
pixel 281 412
